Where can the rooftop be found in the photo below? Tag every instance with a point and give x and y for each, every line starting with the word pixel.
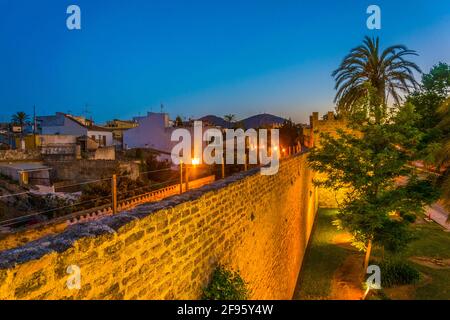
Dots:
pixel 25 166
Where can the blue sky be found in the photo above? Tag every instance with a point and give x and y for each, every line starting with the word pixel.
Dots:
pixel 197 57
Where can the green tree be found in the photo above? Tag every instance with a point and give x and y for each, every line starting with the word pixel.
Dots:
pixel 366 67
pixel 431 103
pixel 429 97
pixel 369 164
pixel 443 154
pixel 178 121
pixel 437 80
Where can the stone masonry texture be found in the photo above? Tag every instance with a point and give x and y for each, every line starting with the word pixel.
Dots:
pixel 259 225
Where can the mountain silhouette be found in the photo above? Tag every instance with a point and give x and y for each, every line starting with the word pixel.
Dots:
pixel 256 121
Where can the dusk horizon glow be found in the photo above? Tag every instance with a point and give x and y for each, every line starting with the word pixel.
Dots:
pixel 196 58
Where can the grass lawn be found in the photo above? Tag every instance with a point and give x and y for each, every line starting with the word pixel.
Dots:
pixel 322 259
pixel 431 241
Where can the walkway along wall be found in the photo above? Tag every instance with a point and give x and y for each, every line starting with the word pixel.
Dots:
pixel 259 225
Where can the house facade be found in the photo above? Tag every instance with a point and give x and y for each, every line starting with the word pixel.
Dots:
pixel 118 127
pixel 154 131
pixel 65 124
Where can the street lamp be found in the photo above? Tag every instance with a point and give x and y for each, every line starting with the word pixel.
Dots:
pixel 195 161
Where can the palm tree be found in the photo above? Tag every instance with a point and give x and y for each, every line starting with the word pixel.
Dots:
pixel 387 73
pixel 178 121
pixel 229 117
pixel 20 118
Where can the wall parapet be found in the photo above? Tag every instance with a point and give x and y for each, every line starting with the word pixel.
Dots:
pixel 257 224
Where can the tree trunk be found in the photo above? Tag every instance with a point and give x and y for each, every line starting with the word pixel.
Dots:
pixel 367 257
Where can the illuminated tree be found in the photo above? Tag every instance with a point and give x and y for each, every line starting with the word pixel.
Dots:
pixel 383 193
pixel 369 164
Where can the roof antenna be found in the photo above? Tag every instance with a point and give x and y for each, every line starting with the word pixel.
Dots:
pixel 86 110
pixel 34 119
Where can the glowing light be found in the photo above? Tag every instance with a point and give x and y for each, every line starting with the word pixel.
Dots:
pixel 195 161
pixel 365 293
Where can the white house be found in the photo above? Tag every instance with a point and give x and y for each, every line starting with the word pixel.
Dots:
pixel 153 132
pixel 65 124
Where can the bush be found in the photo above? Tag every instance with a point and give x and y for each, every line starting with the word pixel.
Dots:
pixel 397 272
pixel 226 285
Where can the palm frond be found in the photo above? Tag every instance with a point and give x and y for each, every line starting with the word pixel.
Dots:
pixel 387 71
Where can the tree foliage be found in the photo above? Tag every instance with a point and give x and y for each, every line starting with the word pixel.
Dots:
pixel 432 107
pixel 178 121
pixel 20 118
pixel 383 191
pixel 374 162
pixel 437 80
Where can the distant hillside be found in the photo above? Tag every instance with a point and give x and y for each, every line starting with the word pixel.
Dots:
pixel 256 121
pixel 261 120
pixel 215 121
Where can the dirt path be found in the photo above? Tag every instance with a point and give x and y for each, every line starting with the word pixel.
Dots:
pixel 346 283
pixel 347 279
pixel 434 263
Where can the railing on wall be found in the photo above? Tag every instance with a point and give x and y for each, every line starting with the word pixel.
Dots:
pixel 132 202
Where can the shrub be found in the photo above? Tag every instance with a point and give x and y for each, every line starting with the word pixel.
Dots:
pixel 397 272
pixel 226 285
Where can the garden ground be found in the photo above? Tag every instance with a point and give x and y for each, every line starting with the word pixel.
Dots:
pixel 332 268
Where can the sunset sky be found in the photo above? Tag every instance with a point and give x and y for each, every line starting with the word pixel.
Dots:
pixel 197 57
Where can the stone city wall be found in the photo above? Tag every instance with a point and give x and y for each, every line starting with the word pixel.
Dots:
pixel 259 225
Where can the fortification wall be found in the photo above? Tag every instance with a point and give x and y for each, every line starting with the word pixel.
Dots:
pixel 327 197
pixel 259 225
